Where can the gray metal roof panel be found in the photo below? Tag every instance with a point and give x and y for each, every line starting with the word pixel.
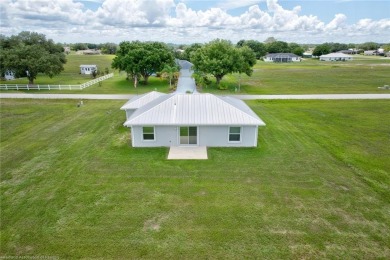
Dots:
pixel 141 100
pixel 194 109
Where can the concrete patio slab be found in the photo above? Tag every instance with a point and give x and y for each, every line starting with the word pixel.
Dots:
pixel 187 153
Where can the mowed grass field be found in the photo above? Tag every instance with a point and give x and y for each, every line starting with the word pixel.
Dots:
pixel 311 76
pixel 71 74
pixel 317 186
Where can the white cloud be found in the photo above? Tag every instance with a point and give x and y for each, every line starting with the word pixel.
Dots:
pixel 47 11
pixel 337 23
pixel 163 20
pixel 233 4
pixel 124 13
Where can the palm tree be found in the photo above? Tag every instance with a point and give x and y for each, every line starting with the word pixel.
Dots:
pixel 170 72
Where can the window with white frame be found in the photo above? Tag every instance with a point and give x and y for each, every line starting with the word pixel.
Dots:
pixel 234 134
pixel 148 133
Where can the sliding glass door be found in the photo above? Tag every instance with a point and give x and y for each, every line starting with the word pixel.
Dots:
pixel 189 135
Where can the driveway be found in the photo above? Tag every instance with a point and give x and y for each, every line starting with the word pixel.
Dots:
pixel 185 83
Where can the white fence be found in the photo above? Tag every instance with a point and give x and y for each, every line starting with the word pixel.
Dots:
pixel 53 87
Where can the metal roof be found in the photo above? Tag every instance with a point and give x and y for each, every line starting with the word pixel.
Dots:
pixel 336 54
pixel 282 55
pixel 141 100
pixel 88 66
pixel 194 109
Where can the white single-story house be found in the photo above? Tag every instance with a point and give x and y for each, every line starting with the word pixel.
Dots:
pixel 67 49
pixel 371 53
pixel 139 101
pixel 282 57
pixel 336 56
pixel 87 69
pixel 181 119
pixel 9 75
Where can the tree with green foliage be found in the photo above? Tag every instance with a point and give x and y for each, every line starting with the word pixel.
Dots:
pixel 335 47
pixel 189 50
pixel 257 47
pixel 245 60
pixel 108 48
pixel 278 47
pixel 170 72
pixel 220 57
pixel 215 58
pixel 386 47
pixel 30 53
pixel 142 59
pixel 321 49
pixel 296 49
pixel 369 46
pixel 79 46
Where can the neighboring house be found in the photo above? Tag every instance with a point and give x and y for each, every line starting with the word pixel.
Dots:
pixel 9 75
pixel 191 120
pixel 371 53
pixel 67 49
pixel 282 57
pixel 336 56
pixel 89 52
pixel 92 52
pixel 307 55
pixel 87 69
pixel 139 101
pixel 348 52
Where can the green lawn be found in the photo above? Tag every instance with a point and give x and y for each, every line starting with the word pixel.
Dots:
pixel 362 75
pixel 71 74
pixel 318 186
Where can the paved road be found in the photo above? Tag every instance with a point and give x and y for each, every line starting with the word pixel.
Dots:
pixel 243 97
pixel 185 83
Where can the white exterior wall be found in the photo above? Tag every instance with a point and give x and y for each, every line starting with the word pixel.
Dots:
pixel 87 69
pixel 218 136
pixel 293 59
pixel 9 75
pixel 163 136
pixel 335 58
pixel 211 136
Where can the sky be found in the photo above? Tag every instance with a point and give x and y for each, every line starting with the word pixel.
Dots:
pixel 190 21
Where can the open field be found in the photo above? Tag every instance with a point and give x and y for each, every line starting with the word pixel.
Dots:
pixel 318 186
pixel 363 75
pixel 71 74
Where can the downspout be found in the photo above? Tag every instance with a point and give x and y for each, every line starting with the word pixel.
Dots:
pixel 256 135
pixel 132 137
